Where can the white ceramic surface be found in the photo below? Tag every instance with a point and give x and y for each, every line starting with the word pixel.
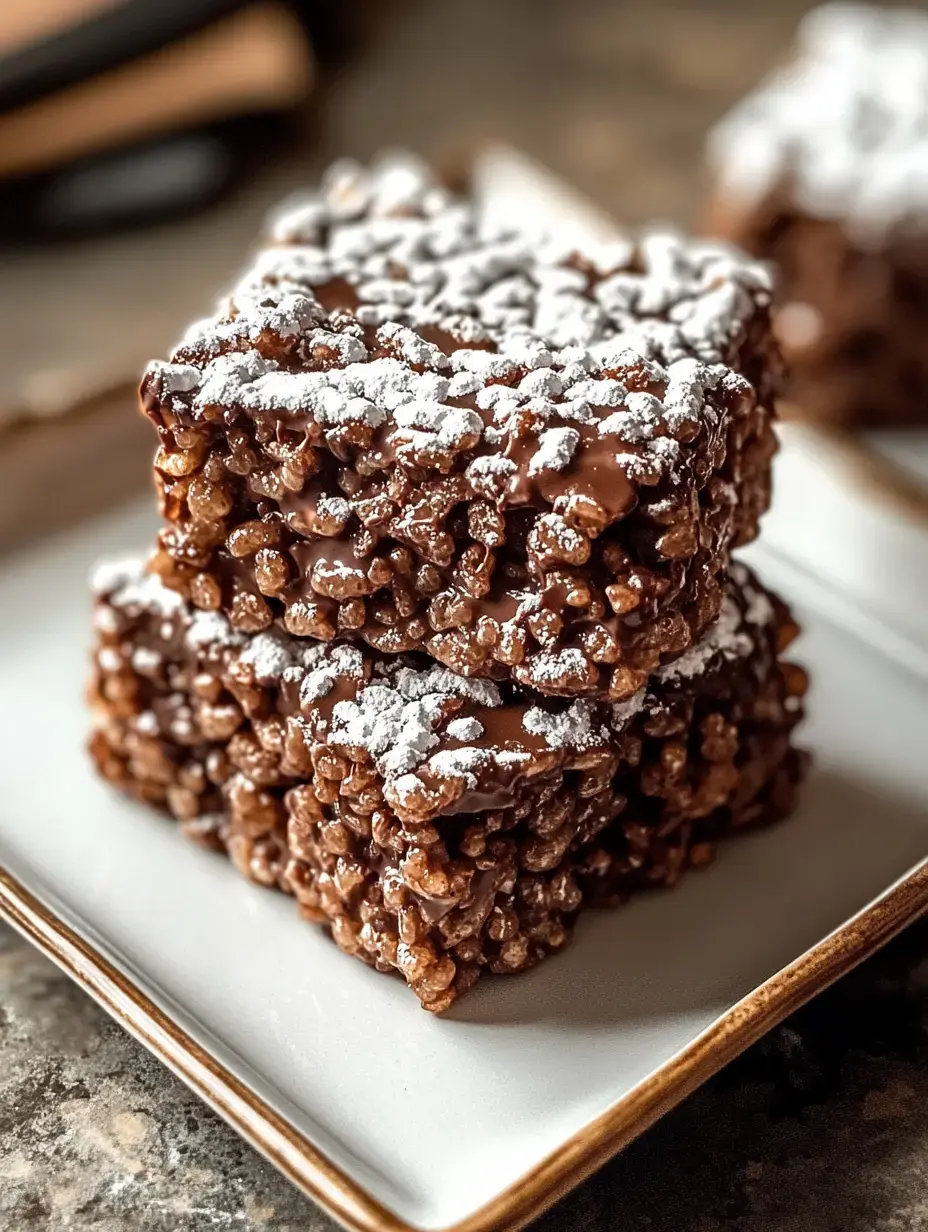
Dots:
pixel 436 1116
pixel 843 530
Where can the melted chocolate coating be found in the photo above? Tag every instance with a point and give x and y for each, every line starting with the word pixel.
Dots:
pixel 479 855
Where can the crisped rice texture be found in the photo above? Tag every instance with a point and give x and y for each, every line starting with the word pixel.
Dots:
pixel 436 825
pixel 410 428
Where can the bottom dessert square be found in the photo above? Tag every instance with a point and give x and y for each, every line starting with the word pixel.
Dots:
pixel 440 826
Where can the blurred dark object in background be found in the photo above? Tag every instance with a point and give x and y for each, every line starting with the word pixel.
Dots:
pixel 123 111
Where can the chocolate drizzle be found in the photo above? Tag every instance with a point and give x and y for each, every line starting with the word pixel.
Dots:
pixel 425 416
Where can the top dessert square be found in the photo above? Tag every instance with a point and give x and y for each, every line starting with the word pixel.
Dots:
pixel 409 426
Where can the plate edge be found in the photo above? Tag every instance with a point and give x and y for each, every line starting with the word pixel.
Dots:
pixel 740 1026
pixel 288 1150
pixel 556 1175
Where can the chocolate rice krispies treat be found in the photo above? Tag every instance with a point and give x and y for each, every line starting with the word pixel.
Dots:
pixel 408 427
pixel 439 825
pixel 824 171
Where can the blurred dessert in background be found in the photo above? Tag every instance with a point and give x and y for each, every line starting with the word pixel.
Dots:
pixel 824 170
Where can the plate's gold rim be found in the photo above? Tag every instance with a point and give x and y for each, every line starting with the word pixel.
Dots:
pixel 323 1181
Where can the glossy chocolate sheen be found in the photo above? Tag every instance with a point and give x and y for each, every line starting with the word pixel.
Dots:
pixel 534 468
pixel 438 825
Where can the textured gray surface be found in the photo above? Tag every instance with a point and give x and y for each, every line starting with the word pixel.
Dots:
pixel 822 1128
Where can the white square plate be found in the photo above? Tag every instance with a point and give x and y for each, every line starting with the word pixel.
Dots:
pixel 388 1116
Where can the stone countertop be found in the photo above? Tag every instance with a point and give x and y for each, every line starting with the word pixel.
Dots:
pixel 823 1127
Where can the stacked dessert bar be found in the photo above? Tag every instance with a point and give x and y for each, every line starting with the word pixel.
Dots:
pixel 442 634
pixel 824 169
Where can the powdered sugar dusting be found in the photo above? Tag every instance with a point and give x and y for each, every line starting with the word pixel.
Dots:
pixel 417 260
pixel 556 448
pixel 272 654
pixel 211 629
pixel 109 659
pixel 404 716
pixel 759 610
pixel 465 729
pixel 726 637
pixel 145 660
pixel 333 507
pixel 462 764
pixel 574 728
pixel 341 662
pixel 396 717
pixel 624 712
pixel 147 723
pixel 554 666
pixel 127 585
